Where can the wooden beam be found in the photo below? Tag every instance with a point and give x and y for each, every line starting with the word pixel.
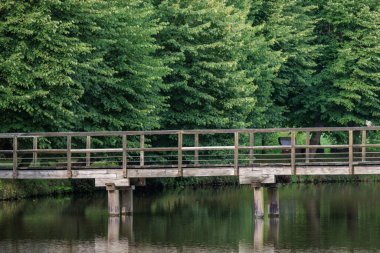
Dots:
pixel 236 154
pixel 88 153
pixel 68 156
pixel 251 144
pixel 307 150
pixel 180 144
pixel 351 151
pixel 364 142
pixel 196 152
pixel 293 152
pixel 35 147
pixel 142 145
pixel 15 157
pixel 124 158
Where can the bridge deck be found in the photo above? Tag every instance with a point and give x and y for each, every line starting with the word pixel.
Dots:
pixel 251 154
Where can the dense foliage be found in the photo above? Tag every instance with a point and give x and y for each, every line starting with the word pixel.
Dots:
pixel 125 65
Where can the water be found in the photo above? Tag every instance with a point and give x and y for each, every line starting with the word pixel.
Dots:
pixel 314 218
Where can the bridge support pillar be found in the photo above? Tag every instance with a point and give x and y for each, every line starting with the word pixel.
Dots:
pixel 113 200
pixel 127 200
pixel 258 200
pixel 273 201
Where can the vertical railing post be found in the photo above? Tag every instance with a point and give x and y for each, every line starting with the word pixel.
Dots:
pixel 251 144
pixel 124 162
pixel 35 147
pixel 88 153
pixel 350 151
pixel 307 150
pixel 14 157
pixel 364 142
pixel 180 144
pixel 142 145
pixel 236 153
pixel 68 155
pixel 293 152
pixel 196 152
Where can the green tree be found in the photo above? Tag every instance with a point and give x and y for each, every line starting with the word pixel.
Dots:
pixel 205 44
pixel 347 88
pixel 39 57
pixel 289 66
pixel 123 85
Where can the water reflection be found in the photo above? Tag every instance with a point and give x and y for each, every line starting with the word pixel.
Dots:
pixel 328 218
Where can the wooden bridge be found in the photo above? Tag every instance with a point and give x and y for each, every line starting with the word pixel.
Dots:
pixel 122 159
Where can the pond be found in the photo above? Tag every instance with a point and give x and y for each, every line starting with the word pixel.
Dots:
pixel 313 218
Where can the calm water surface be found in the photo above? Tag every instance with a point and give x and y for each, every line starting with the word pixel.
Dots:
pixel 314 218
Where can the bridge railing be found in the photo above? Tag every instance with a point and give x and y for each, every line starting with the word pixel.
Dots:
pixel 188 149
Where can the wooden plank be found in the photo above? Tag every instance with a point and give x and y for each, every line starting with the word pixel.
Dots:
pixel 142 144
pixel 150 173
pixel 236 153
pixel 257 171
pixel 196 152
pixel 35 147
pixel 264 179
pixel 364 142
pixel 293 152
pixel 6 174
pixel 207 172
pixel 68 156
pixel 180 144
pixel 100 182
pixel 42 174
pixel 208 148
pixel 367 170
pixel 307 150
pixel 124 162
pixel 15 157
pixel 350 151
pixel 323 170
pixel 88 153
pixel 251 144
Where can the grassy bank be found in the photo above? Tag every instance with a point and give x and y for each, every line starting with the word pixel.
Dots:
pixel 18 189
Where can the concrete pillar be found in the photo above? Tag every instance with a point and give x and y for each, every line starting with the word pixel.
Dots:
pixel 258 199
pixel 127 201
pixel 273 201
pixel 113 200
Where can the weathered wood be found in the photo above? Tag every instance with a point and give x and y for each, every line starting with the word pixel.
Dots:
pixel 113 233
pixel 273 201
pixel 150 173
pixel 35 147
pixel 258 200
pixel 142 144
pixel 258 237
pixel 267 170
pixel 180 144
pixel 364 142
pixel 196 152
pixel 307 150
pixel 68 156
pixel 251 144
pixel 113 200
pixel 100 182
pixel 15 162
pixel 124 158
pixel 264 179
pixel 127 201
pixel 88 153
pixel 350 151
pixel 293 152
pixel 323 170
pixel 208 172
pixel 236 154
